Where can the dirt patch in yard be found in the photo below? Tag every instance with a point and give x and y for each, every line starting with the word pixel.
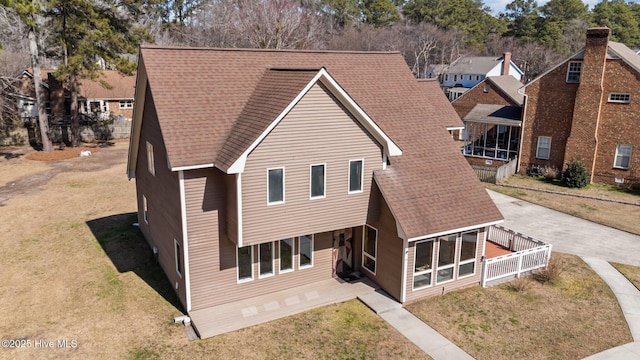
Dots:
pixel 62 153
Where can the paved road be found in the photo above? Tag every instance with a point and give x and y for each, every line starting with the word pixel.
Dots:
pixel 567 233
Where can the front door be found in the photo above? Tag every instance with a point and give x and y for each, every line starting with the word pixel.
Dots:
pixel 342 252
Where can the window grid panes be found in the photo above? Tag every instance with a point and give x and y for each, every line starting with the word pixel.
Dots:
pixel 491 140
pixel 423 264
pixel 446 258
pixel 544 147
pixel 573 72
pixel 468 248
pixel 620 98
pixel 275 186
pixel 369 248
pixel 623 156
pixel 317 174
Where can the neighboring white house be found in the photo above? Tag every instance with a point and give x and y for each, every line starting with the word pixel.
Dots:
pixel 467 72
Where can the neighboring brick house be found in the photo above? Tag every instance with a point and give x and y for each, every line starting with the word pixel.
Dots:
pixel 492 113
pixel 588 108
pixel 467 72
pixel 272 169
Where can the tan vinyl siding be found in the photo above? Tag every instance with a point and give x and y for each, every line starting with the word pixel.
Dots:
pixel 212 255
pixel 317 130
pixel 390 248
pixel 163 199
pixel 438 289
pixel 232 208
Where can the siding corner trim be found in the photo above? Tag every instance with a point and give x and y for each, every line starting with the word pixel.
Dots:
pixel 185 241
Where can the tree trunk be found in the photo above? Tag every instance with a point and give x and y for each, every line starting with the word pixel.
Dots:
pixel 75 119
pixel 43 121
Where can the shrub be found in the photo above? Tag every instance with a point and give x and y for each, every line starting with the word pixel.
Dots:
pixel 550 172
pixel 576 175
pixel 519 284
pixel 551 273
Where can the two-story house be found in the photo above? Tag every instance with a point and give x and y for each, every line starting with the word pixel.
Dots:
pixel 588 108
pixel 492 116
pixel 272 169
pixel 467 72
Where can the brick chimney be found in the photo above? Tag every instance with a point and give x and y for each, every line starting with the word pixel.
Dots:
pixel 506 63
pixel 583 139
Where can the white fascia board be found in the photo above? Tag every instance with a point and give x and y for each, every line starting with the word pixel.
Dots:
pixel 192 167
pixel 455 127
pixel 462 229
pixel 391 148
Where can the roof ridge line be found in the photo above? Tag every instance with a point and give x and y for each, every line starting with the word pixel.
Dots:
pixel 202 48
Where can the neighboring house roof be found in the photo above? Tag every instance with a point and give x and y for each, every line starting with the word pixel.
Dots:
pixel 615 50
pixel 198 114
pixel 451 119
pixel 121 86
pixel 474 64
pixel 495 114
pixel 509 86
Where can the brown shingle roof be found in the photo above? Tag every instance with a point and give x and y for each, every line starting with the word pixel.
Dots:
pixel 449 116
pixel 122 87
pixel 200 95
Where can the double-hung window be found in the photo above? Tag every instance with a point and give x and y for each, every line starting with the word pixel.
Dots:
pixel 355 176
pixel 245 263
pixel 275 186
pixel 468 250
pixel 544 147
pixel 126 104
pixel 369 248
pixel 446 258
pixel 623 156
pixel 423 264
pixel 317 181
pixel 573 71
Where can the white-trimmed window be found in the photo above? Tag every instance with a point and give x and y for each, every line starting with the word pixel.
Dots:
pixel 544 147
pixel 178 253
pixel 468 249
pixel 150 159
pixel 244 259
pixel 573 71
pixel 317 181
pixel 446 258
pixel 369 248
pixel 620 98
pixel 455 77
pixel 275 186
pixel 145 210
pixel 305 251
pixel 423 264
pixel 265 257
pixel 126 104
pixel 286 255
pixel 623 156
pixel 356 176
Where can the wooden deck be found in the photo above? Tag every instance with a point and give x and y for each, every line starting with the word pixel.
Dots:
pixel 237 315
pixel 494 250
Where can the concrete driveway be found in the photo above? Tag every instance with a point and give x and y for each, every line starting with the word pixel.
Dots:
pixel 567 233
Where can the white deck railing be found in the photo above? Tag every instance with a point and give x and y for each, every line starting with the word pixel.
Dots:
pixel 529 255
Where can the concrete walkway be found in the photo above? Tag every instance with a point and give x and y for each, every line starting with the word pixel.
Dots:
pixel 426 338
